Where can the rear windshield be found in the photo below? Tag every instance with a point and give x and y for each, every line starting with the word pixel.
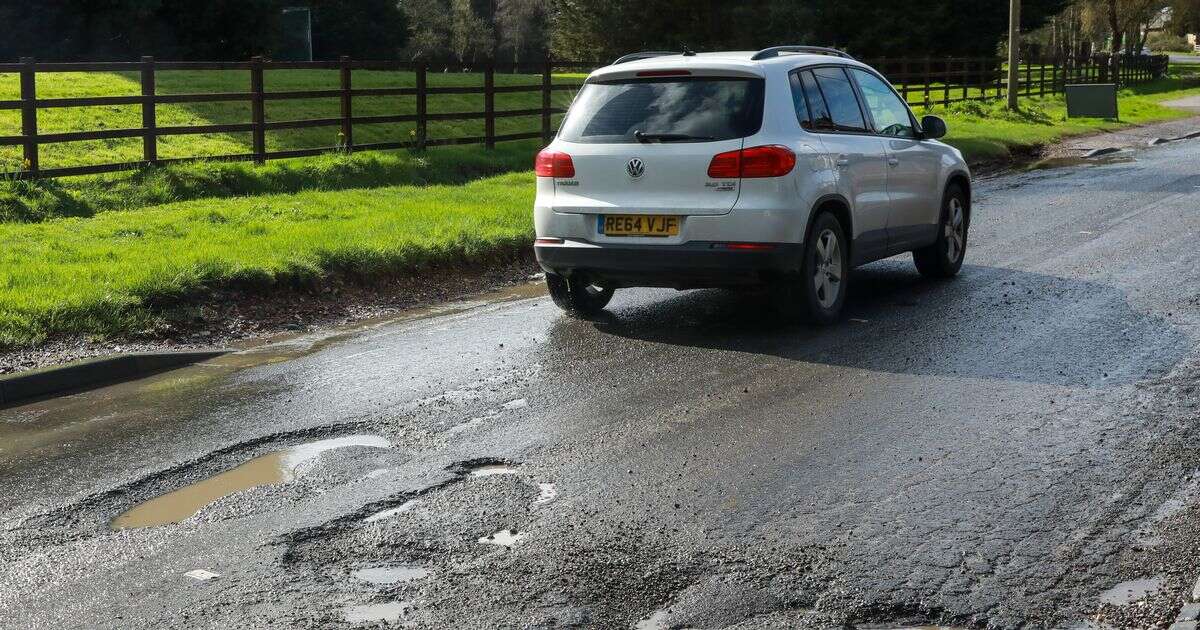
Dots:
pixel 701 109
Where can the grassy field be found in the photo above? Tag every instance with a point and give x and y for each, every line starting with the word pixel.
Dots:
pixel 104 255
pixel 73 84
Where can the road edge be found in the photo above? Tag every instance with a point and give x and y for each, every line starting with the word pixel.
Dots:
pixel 93 373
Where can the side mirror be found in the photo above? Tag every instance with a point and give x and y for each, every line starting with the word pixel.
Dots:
pixel 932 128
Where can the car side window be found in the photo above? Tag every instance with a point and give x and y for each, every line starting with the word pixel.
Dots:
pixel 841 99
pixel 800 102
pixel 818 110
pixel 888 111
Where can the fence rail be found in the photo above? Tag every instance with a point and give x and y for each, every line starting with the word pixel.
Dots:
pixel 924 81
pixel 943 81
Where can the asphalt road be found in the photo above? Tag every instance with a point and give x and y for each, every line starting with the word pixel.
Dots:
pixel 1013 448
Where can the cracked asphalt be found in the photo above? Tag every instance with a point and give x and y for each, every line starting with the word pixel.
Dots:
pixel 1009 449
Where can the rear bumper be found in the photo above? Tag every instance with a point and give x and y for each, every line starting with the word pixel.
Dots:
pixel 687 266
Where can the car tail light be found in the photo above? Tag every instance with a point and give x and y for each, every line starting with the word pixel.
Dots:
pixel 765 161
pixel 554 164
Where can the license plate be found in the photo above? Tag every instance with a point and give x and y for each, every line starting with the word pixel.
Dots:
pixel 638 225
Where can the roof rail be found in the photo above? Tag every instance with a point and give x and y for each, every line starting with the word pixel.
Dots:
pixel 775 51
pixel 649 54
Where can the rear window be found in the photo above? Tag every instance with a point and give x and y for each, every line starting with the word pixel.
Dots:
pixel 700 109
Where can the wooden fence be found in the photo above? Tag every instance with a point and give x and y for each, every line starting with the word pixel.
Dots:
pixel 929 81
pixel 934 81
pixel 29 104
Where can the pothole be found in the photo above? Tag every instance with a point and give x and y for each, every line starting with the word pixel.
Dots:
pixel 547 493
pixel 491 470
pixel 1131 591
pixel 273 468
pixel 656 621
pixel 386 514
pixel 504 538
pixel 390 575
pixel 389 612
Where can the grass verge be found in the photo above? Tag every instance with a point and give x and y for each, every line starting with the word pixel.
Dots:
pixel 115 273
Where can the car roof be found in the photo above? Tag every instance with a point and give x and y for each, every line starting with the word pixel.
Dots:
pixel 736 63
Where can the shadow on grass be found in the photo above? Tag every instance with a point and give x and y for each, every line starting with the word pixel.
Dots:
pixel 85 196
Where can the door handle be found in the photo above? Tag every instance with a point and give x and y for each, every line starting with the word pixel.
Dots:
pixel 893 161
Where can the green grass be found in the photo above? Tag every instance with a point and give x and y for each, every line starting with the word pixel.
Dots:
pixel 73 84
pixel 115 272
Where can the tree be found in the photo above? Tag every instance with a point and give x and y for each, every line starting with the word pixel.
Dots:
pixel 429 29
pixel 470 34
pixel 363 29
pixel 522 29
pixel 603 29
pixel 868 28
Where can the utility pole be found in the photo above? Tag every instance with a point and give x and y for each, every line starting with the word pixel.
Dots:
pixel 1014 50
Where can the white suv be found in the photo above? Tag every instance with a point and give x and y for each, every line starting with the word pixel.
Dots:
pixel 785 167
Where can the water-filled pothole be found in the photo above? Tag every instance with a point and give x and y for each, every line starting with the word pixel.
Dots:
pixel 504 538
pixel 386 514
pixel 546 493
pixel 1131 591
pixel 656 621
pixel 273 468
pixel 390 575
pixel 386 612
pixel 491 470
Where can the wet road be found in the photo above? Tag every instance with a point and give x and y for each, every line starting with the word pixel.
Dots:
pixel 1013 448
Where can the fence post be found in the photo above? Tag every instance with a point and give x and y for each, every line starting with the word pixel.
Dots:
pixel 928 78
pixel 258 110
pixel 149 117
pixel 422 122
pixel 489 106
pixel 947 80
pixel 964 76
pixel 546 68
pixel 1041 76
pixel 1029 77
pixel 905 79
pixel 347 107
pixel 29 126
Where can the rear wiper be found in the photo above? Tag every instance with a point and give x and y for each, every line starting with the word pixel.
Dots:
pixel 668 137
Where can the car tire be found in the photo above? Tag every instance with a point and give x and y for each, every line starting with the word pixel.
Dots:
pixel 577 296
pixel 945 256
pixel 818 294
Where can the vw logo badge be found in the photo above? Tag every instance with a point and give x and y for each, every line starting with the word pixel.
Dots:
pixel 636 168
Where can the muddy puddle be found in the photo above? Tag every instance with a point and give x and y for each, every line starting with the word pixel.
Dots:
pixel 1131 591
pixel 376 613
pixel 389 575
pixel 273 468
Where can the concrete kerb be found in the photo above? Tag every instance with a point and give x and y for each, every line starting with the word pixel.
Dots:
pixel 93 373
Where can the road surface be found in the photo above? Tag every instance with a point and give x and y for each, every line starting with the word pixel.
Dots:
pixel 1013 448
